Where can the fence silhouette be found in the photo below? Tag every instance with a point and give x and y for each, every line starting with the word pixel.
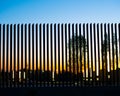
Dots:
pixel 49 55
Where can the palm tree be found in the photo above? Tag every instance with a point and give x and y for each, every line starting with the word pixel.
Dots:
pixel 79 45
pixel 106 48
pixel 106 44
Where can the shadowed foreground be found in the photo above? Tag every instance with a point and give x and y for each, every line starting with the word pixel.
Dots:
pixel 90 91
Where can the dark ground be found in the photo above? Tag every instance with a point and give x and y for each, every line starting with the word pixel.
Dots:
pixel 61 91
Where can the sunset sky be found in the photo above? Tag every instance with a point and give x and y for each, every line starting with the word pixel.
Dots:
pixel 59 11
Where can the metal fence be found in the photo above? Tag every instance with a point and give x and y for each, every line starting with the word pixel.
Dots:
pixel 49 55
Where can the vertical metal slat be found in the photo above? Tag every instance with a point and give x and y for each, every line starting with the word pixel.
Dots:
pixel 116 54
pixel 113 54
pixel 33 55
pixel 55 50
pixel 59 53
pixel 7 56
pixel 84 41
pixel 40 36
pixel 18 30
pixel 29 38
pixel 62 54
pixel 36 76
pixel 47 74
pixel 51 30
pixel 91 41
pixel 44 51
pixel 88 54
pixel 98 41
pixel 80 45
pixel 66 54
pixel 11 55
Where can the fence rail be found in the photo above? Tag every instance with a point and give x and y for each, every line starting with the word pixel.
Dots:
pixel 48 55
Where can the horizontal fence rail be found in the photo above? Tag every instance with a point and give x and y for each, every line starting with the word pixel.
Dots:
pixel 55 55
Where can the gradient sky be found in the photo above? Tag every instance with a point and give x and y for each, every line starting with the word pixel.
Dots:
pixel 59 11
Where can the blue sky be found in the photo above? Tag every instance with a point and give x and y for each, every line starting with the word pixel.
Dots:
pixel 59 11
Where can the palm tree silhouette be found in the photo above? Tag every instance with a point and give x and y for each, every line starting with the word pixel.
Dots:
pixel 79 45
pixel 106 48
